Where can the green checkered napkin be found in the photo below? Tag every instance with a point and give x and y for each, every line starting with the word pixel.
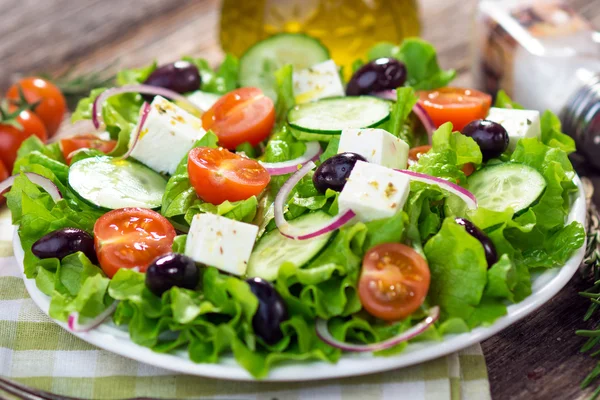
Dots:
pixel 39 353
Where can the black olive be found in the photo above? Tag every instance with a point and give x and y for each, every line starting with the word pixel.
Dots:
pixel 377 75
pixel 172 270
pixel 61 243
pixel 491 137
pixel 180 77
pixel 491 255
pixel 334 171
pixel 271 311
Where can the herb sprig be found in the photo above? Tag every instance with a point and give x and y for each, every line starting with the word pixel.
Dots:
pixel 591 270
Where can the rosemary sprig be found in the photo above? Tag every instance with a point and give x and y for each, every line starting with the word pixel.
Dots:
pixel 591 270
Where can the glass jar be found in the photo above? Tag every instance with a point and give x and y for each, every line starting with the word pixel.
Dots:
pixel 347 27
pixel 545 56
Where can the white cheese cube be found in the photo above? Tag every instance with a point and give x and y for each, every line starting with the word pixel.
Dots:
pixel 317 82
pixel 374 192
pixel 203 100
pixel 167 136
pixel 518 123
pixel 376 146
pixel 221 242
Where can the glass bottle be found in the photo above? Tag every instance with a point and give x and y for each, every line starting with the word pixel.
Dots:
pixel 347 27
pixel 545 56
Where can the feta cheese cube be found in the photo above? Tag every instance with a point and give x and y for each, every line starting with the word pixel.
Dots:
pixel 518 123
pixel 374 192
pixel 221 242
pixel 317 82
pixel 167 136
pixel 203 100
pixel 376 146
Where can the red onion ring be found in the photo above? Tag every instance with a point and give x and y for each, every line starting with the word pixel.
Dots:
pixel 142 89
pixel 73 321
pixel 464 194
pixel 418 109
pixel 323 332
pixel 312 153
pixel 288 230
pixel 144 111
pixel 39 180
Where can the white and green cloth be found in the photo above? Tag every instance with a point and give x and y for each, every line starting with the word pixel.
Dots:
pixel 40 354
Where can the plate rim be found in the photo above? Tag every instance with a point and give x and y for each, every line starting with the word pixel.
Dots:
pixel 112 339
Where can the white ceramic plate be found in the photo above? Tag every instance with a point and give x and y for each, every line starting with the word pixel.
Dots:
pixel 114 339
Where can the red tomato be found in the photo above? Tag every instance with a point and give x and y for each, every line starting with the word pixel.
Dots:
pixel 85 141
pixel 12 137
pixel 244 115
pixel 218 175
pixel 457 105
pixel 131 238
pixel 52 106
pixel 393 282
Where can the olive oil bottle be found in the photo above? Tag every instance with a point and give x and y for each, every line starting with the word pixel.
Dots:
pixel 347 27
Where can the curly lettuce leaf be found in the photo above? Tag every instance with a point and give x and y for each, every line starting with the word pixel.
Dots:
pixel 210 323
pixel 449 152
pixel 458 271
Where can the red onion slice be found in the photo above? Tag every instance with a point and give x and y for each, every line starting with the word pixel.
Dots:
pixel 417 109
pixel 142 89
pixel 75 326
pixel 39 180
pixel 323 332
pixel 287 229
pixel 144 111
pixel 464 194
pixel 312 153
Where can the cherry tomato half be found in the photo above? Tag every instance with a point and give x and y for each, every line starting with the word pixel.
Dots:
pixel 244 115
pixel 457 105
pixel 86 141
pixel 52 106
pixel 131 238
pixel 12 137
pixel 393 282
pixel 218 175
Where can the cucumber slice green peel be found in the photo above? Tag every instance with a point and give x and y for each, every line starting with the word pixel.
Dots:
pixel 507 185
pixel 110 183
pixel 332 115
pixel 274 249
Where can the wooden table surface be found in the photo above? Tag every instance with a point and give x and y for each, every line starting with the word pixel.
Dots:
pixel 536 358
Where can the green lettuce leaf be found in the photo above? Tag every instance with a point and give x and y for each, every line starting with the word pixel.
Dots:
pixel 221 81
pixel 504 101
pixel 450 151
pixel 458 271
pixel 398 125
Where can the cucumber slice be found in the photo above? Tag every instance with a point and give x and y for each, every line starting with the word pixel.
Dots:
pixel 500 186
pixel 259 63
pixel 331 116
pixel 273 249
pixel 110 183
